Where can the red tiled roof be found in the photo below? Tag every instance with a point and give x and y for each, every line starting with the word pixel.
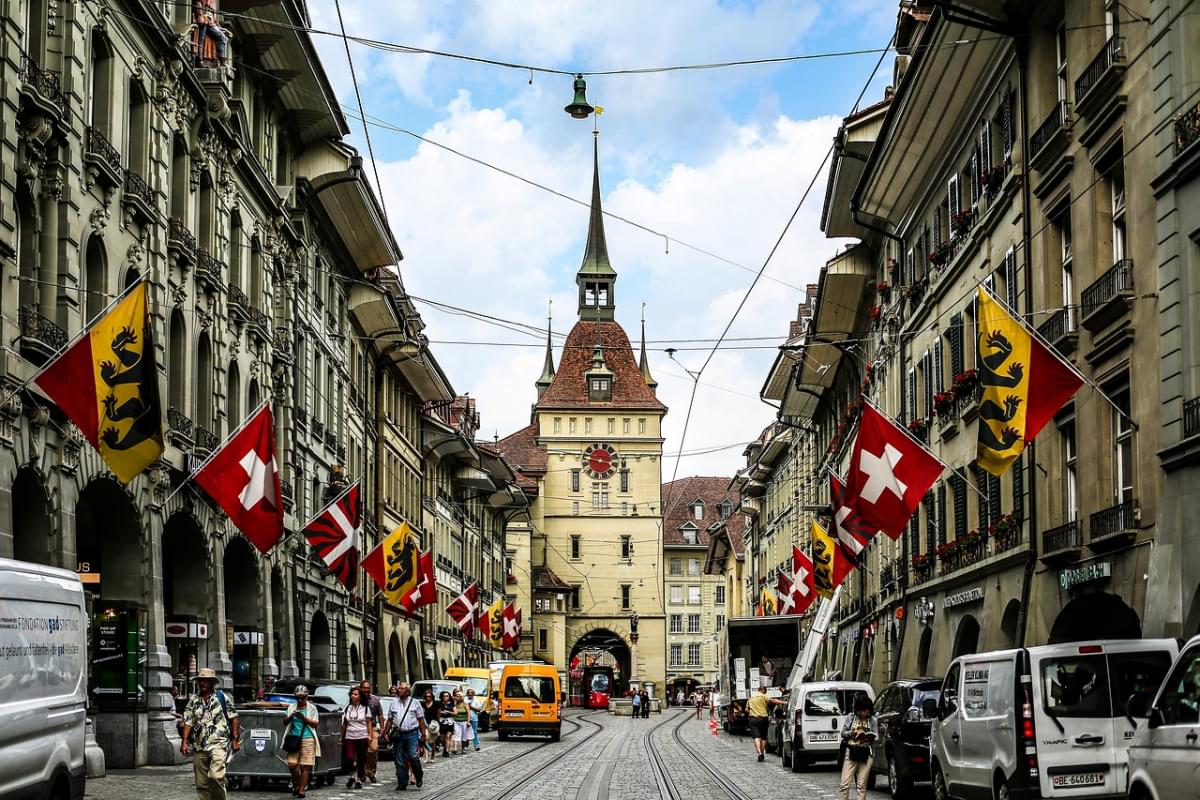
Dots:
pixel 544 578
pixel 678 497
pixel 569 388
pixel 523 453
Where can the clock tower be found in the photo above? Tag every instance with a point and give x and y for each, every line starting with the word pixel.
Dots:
pixel 588 564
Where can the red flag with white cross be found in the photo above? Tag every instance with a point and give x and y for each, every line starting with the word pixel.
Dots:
pixel 334 535
pixel 889 473
pixel 243 479
pixel 512 628
pixel 848 527
pixel 465 608
pixel 804 591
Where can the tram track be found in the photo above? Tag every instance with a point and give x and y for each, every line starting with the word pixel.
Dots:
pixel 666 784
pixel 511 789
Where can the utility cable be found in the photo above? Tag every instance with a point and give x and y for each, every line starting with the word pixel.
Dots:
pixel 362 113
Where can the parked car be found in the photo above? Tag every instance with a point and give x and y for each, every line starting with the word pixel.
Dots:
pixel 479 679
pixel 812 724
pixel 735 719
pixel 437 687
pixel 902 749
pixel 531 699
pixel 1043 721
pixel 1164 754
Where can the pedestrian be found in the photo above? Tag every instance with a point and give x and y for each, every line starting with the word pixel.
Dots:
pixel 679 697
pixel 477 707
pixel 636 700
pixel 767 668
pixel 376 709
pixel 699 703
pixel 432 710
pixel 859 733
pixel 204 15
pixel 446 723
pixel 301 723
pixel 645 704
pixel 714 704
pixel 356 734
pixel 406 730
pixel 760 709
pixel 210 731
pixel 462 723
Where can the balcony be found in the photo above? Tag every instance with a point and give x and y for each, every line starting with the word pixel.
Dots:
pixel 41 339
pixel 206 441
pixel 340 450
pixel 1187 129
pixel 209 272
pixel 301 417
pixel 1191 417
pixel 1100 77
pixel 180 242
pixel 43 87
pixel 179 428
pixel 1060 331
pixel 260 325
pixel 102 160
pixel 239 304
pixel 139 199
pixel 318 429
pixel 1051 137
pixel 288 493
pixel 1062 544
pixel 331 439
pixel 1109 297
pixel 1114 526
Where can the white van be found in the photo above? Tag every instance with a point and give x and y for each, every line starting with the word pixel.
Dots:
pixel 812 726
pixel 1164 756
pixel 43 681
pixel 1041 721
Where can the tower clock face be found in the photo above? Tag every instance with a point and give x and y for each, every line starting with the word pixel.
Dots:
pixel 598 460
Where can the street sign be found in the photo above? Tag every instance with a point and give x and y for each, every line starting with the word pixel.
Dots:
pixel 1073 576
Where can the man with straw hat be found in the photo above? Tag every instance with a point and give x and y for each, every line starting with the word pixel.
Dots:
pixel 210 729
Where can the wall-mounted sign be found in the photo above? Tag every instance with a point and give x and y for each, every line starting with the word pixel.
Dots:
pixel 86 572
pixel 187 630
pixel 1074 576
pixel 962 598
pixel 247 637
pixel 924 610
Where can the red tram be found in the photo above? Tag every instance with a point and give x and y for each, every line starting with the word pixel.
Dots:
pixel 591 684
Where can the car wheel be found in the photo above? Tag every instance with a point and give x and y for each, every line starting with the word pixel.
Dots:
pixel 1001 791
pixel 235 783
pixel 898 787
pixel 798 762
pixel 939 785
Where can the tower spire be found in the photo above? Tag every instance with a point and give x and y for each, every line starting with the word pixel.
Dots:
pixel 644 363
pixel 596 277
pixel 547 377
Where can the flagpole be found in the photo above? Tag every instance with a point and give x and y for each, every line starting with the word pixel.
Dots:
pixel 1033 332
pixel 71 341
pixel 330 504
pixel 197 470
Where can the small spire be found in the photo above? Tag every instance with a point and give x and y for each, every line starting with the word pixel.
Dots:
pixel 644 363
pixel 547 377
pixel 595 254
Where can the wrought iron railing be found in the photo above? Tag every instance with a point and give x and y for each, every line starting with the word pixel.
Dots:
pixel 209 269
pixel 98 145
pixel 301 416
pixel 43 81
pixel 206 440
pixel 238 301
pixel 1006 538
pixel 39 329
pixel 136 186
pixel 1191 417
pixel 179 236
pixel 964 554
pixel 1187 128
pixel 179 422
pixel 260 321
pixel 1058 120
pixel 1058 325
pixel 887 576
pixel 331 439
pixel 1115 519
pixel 318 428
pixel 1111 53
pixel 1118 279
pixel 340 449
pixel 1064 537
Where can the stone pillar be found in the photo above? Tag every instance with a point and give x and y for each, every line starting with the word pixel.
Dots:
pixel 269 664
pixel 288 668
pixel 218 654
pixel 162 737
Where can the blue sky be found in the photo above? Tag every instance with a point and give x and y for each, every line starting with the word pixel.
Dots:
pixel 715 158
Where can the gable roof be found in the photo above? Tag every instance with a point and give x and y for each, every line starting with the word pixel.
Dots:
pixel 525 455
pixel 544 578
pixel 678 498
pixel 569 390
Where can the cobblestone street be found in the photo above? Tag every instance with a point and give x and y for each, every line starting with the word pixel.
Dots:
pixel 600 757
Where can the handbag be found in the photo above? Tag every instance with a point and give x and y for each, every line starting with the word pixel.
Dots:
pixel 858 753
pixel 291 743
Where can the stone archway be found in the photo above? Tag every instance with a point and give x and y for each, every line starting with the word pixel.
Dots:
pixel 966 639
pixel 1009 623
pixel 318 647
pixel 187 597
pixel 1098 615
pixel 923 651
pixel 243 616
pixel 31 521
pixel 600 644
pixel 414 661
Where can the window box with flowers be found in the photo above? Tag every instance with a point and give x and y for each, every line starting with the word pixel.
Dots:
pixel 919 428
pixel 990 181
pixel 884 290
pixel 945 403
pixel 876 312
pixel 941 254
pixel 915 291
pixel 922 565
pixel 962 222
pixel 1005 533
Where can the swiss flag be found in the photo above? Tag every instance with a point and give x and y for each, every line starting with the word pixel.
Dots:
pixel 787 596
pixel 889 473
pixel 848 527
pixel 243 479
pixel 425 592
pixel 512 628
pixel 804 592
pixel 464 609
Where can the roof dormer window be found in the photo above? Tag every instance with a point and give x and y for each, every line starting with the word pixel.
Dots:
pixel 698 510
pixel 725 509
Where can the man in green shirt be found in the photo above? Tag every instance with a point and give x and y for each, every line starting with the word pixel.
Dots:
pixel 210 729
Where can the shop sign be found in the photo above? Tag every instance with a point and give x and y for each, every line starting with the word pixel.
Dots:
pixel 962 598
pixel 187 630
pixel 84 570
pixel 247 637
pixel 1074 576
pixel 924 611
pixel 848 635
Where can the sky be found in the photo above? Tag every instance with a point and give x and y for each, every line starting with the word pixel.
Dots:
pixel 715 159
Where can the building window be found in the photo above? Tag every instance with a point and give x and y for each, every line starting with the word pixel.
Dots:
pixel 102 88
pixel 641 425
pixel 624 480
pixel 571 425
pixel 575 545
pixel 676 655
pixel 625 595
pixel 693 623
pixel 725 509
pixel 625 425
pixel 1122 428
pixel 1062 227
pixel 1060 47
pixel 719 594
pixel 626 547
pixel 697 510
pixel 693 566
pixel 676 594
pixel 574 598
pixel 1070 487
pixel 1116 180
pixel 693 595
pixel 677 623
pixel 624 508
pixel 694 654
pixel 557 424
pixel 953 198
pixel 676 566
pixel 720 621
pixel 599 495
pixel 543 644
pixel 587 422
pixel 574 480
pixel 575 507
pixel 612 424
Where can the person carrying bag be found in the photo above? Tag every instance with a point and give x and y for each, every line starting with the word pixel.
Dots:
pixel 859 733
pixel 300 740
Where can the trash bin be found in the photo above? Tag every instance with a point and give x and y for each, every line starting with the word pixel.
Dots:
pixel 262 759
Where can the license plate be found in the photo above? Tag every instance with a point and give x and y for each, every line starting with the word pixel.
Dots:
pixel 1074 779
pixel 514 714
pixel 822 737
pixel 260 733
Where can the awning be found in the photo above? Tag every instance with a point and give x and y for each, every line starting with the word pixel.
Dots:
pixel 355 214
pixel 473 477
pixel 922 130
pixel 375 313
pixel 855 139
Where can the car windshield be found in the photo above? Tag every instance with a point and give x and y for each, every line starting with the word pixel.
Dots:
pixel 530 686
pixel 480 685
pixel 829 702
pixel 437 687
pixel 1076 686
pixel 1136 673
pixel 600 682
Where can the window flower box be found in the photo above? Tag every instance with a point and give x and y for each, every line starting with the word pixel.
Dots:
pixel 941 254
pixel 945 403
pixel 884 290
pixel 965 383
pixel 961 223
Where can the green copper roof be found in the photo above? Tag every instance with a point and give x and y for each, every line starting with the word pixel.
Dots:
pixel 595 255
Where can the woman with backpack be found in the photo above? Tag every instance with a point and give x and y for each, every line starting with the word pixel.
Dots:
pixel 301 733
pixel 357 727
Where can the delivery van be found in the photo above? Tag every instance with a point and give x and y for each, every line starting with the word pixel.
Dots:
pixel 1043 721
pixel 530 701
pixel 43 681
pixel 479 679
pixel 812 724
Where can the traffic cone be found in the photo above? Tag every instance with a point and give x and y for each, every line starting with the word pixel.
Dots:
pixel 712 726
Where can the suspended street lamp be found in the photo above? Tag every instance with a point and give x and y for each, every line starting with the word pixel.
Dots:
pixel 579 109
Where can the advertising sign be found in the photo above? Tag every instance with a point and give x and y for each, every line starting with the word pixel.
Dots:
pixel 119 658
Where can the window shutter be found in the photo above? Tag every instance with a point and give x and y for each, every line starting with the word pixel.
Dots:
pixel 941 512
pixel 955 334
pixel 1010 278
pixel 985 144
pixel 973 177
pixel 937 226
pixel 911 407
pixel 1018 479
pixel 931 521
pixel 959 482
pixel 984 516
pixel 927 383
pixel 939 377
pixel 993 484
pixel 952 197
pixel 914 525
